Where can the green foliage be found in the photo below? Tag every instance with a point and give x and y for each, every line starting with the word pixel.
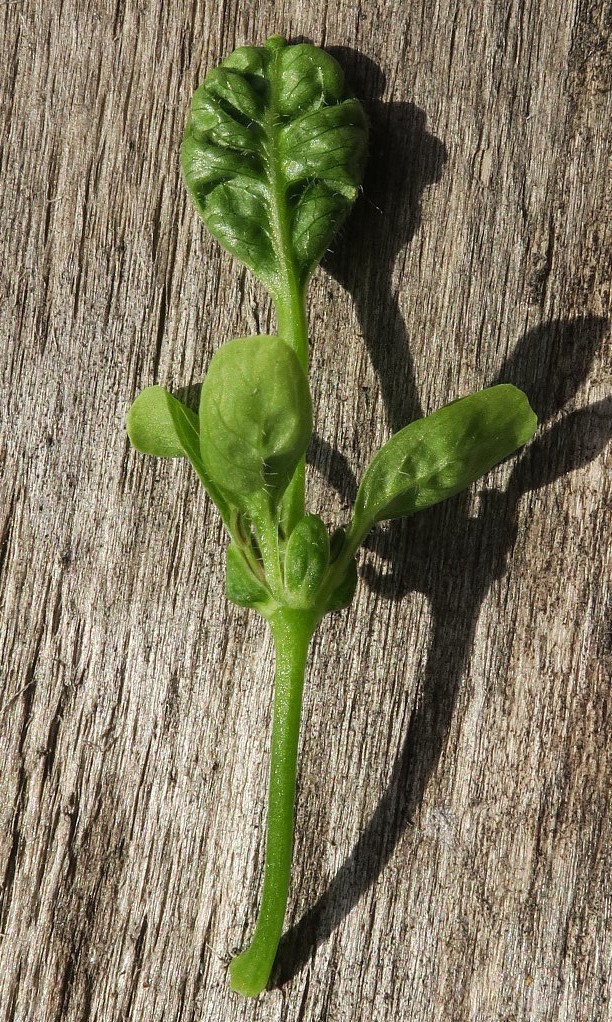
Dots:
pixel 242 585
pixel 435 457
pixel 255 420
pixel 306 559
pixel 340 595
pixel 159 424
pixel 273 156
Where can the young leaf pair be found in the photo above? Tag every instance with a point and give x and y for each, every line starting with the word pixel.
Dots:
pixel 254 424
pixel 273 157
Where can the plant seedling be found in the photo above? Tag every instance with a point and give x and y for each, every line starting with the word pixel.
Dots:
pixel 273 157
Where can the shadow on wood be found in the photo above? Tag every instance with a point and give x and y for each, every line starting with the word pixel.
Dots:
pixel 454 559
pixel 404 160
pixel 448 554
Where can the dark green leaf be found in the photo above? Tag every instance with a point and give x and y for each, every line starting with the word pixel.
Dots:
pixel 342 595
pixel 273 156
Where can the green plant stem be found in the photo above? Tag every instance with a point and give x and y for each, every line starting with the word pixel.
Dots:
pixel 292 631
pixel 289 295
pixel 267 536
pixel 293 328
pixel 355 535
pixel 290 304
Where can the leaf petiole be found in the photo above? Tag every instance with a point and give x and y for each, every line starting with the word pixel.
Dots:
pixel 290 305
pixel 268 540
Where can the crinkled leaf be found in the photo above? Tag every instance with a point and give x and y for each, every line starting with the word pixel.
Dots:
pixel 255 419
pixel 435 457
pixel 273 156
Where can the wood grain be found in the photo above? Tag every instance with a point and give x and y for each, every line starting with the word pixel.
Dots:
pixel 453 839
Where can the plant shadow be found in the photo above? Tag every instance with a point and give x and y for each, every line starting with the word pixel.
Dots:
pixel 404 160
pixel 449 554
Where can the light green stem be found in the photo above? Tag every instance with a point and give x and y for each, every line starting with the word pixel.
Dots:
pixel 289 294
pixel 293 328
pixel 290 304
pixel 267 536
pixel 292 631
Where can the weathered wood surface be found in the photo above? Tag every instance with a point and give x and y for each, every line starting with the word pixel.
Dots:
pixel 452 856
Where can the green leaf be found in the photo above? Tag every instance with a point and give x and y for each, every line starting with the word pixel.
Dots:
pixel 273 156
pixel 306 558
pixel 159 424
pixel 342 596
pixel 255 420
pixel 435 457
pixel 241 585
